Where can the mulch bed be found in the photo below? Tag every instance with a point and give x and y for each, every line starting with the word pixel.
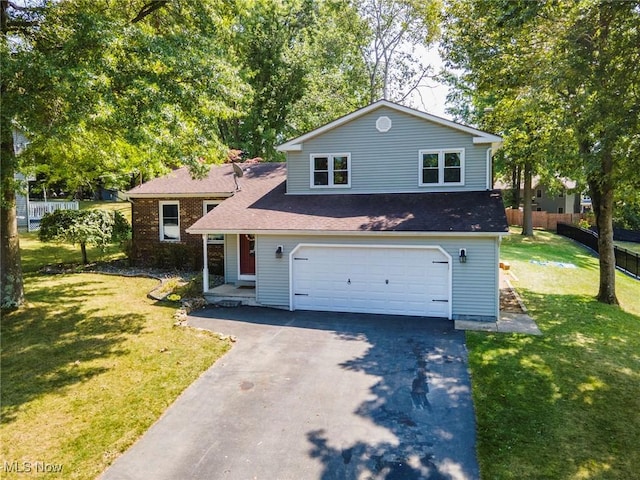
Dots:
pixel 118 267
pixel 509 302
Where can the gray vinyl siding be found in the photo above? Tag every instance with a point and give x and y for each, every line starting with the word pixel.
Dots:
pixel 550 202
pixel 387 162
pixel 475 283
pixel 22 211
pixel 231 258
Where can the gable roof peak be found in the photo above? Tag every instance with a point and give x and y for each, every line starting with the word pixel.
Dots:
pixel 479 136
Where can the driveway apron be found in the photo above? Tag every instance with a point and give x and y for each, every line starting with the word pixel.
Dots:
pixel 310 395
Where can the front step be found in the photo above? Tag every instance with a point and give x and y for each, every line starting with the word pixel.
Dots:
pixel 227 303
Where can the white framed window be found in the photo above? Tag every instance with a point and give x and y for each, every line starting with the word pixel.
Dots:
pixel 207 206
pixel 170 221
pixel 441 167
pixel 331 170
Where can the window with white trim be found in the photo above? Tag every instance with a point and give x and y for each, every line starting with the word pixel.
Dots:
pixel 331 170
pixel 207 206
pixel 441 167
pixel 169 221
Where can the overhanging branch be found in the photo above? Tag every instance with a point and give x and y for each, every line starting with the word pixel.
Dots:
pixel 148 9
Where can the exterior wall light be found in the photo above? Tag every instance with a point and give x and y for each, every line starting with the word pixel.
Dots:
pixel 279 251
pixel 463 255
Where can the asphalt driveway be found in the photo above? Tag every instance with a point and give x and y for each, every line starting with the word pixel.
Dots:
pixel 309 395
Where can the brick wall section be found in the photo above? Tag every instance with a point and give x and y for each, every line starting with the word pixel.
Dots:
pixel 148 250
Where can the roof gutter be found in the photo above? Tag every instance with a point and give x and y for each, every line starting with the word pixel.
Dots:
pixel 179 195
pixel 325 233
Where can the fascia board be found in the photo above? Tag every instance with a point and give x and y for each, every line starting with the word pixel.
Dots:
pixel 178 195
pixel 324 233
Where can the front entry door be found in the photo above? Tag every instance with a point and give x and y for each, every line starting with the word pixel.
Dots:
pixel 247 256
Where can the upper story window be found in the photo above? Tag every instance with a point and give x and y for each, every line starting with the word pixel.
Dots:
pixel 331 170
pixel 442 167
pixel 207 206
pixel 169 221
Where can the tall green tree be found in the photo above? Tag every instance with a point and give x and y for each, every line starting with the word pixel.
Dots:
pixel 301 59
pixel 104 91
pixel 336 76
pixel 497 54
pixel 599 83
pixel 582 61
pixel 265 44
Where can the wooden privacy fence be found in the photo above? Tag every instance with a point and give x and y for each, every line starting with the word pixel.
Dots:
pixel 546 220
pixel 626 260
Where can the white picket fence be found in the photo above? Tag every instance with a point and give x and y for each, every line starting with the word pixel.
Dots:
pixel 38 209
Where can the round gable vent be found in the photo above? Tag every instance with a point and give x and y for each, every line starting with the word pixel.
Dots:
pixel 383 124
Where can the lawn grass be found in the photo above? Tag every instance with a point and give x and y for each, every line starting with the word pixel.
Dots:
pixel 565 405
pixel 36 254
pixel 123 207
pixel 87 366
pixel 631 246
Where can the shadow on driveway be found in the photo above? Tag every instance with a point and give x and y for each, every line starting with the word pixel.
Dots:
pixel 310 395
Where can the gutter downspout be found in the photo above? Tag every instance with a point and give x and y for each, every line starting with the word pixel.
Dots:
pixel 205 267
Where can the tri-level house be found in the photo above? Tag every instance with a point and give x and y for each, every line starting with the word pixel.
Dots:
pixel 386 210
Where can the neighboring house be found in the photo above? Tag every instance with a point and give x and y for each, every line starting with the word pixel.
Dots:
pixel 565 199
pixel 386 210
pixel 30 212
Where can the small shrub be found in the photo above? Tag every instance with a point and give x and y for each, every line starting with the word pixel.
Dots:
pixel 584 223
pixel 84 227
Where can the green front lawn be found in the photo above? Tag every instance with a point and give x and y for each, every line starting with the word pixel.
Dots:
pixel 88 365
pixel 565 405
pixel 631 246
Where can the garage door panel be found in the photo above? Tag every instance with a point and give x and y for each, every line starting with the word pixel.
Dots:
pixel 393 280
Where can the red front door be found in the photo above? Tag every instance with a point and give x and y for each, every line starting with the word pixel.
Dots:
pixel 247 254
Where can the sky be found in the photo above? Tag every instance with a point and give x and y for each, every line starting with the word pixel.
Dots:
pixel 432 98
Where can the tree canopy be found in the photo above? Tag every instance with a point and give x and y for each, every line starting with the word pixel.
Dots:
pixel 108 93
pixel 562 80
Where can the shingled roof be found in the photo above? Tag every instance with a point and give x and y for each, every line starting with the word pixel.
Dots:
pixel 180 183
pixel 262 205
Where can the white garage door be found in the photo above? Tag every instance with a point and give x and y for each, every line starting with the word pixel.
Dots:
pixel 390 280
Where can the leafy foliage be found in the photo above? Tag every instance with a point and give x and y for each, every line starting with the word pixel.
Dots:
pixel 560 80
pixel 84 227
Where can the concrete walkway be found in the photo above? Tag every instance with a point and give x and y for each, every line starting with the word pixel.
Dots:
pixel 508 323
pixel 513 315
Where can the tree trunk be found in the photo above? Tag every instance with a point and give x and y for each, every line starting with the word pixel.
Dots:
pixel 517 185
pixel 11 285
pixel 83 248
pixel 601 190
pixel 527 216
